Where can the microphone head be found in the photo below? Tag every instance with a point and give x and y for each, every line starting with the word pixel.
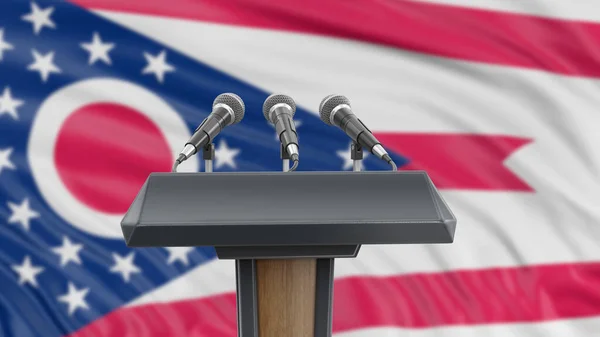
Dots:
pixel 234 102
pixel 275 99
pixel 328 104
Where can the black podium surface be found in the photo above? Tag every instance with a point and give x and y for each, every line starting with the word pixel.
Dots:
pixel 290 209
pixel 284 230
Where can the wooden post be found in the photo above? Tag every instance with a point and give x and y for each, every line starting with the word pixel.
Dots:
pixel 286 297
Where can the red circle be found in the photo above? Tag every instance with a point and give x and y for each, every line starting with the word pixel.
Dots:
pixel 104 153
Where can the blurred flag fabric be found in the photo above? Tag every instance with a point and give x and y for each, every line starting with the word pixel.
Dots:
pixel 498 100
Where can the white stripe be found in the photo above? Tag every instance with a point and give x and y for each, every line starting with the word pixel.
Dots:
pixel 572 328
pixel 212 278
pixel 586 10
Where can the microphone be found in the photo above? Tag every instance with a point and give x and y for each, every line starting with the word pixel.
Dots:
pixel 227 109
pixel 279 110
pixel 335 110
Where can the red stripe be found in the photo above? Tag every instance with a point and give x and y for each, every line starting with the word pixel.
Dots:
pixel 561 46
pixel 460 161
pixel 507 295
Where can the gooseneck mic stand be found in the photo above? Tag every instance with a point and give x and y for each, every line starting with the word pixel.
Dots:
pixel 208 154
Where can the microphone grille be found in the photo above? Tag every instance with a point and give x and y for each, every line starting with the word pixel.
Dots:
pixel 328 104
pixel 234 102
pixel 277 99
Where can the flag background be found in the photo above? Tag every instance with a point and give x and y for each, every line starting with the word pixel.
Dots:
pixel 497 100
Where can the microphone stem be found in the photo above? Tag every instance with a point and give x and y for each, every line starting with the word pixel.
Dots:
pixel 296 160
pixel 387 158
pixel 177 162
pixel 294 166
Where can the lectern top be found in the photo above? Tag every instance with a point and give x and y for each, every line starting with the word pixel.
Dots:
pixel 287 208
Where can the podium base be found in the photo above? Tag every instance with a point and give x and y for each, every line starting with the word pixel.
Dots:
pixel 284 297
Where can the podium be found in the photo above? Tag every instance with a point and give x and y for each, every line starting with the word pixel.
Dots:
pixel 284 230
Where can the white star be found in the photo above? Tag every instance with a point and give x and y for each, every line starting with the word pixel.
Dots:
pixel 40 18
pixel 22 213
pixel 5 160
pixel 224 155
pixel 68 252
pixel 3 44
pixel 75 298
pixel 27 272
pixel 179 254
pixel 297 123
pixel 98 50
pixel 8 104
pixel 44 64
pixel 158 65
pixel 348 162
pixel 124 266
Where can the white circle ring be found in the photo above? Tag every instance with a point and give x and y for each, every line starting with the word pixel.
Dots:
pixel 46 127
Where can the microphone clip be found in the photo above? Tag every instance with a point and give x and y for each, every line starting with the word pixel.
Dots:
pixel 283 153
pixel 356 151
pixel 208 151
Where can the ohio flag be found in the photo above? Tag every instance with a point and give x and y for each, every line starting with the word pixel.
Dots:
pixel 499 101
